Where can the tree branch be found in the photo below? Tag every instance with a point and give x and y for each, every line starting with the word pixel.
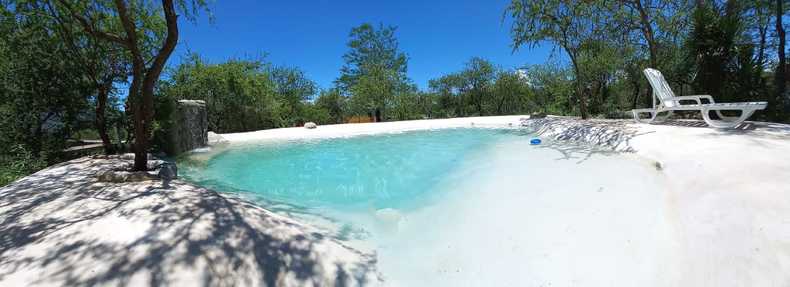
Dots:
pixel 88 27
pixel 170 41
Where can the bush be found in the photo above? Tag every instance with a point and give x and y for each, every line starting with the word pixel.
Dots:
pixel 17 163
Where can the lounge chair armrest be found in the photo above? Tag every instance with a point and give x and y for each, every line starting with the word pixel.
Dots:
pixel 687 98
pixel 697 98
pixel 705 97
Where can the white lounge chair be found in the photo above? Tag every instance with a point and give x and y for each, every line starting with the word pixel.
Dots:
pixel 669 103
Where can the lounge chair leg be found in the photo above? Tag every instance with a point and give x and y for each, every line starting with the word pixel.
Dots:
pixel 726 122
pixel 726 118
pixel 646 120
pixel 661 119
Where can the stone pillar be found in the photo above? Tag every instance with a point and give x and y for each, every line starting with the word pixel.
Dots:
pixel 189 127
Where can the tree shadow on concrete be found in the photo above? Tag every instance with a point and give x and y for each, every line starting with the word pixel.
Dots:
pixel 580 140
pixel 758 130
pixel 576 139
pixel 63 227
pixel 745 126
pixel 330 226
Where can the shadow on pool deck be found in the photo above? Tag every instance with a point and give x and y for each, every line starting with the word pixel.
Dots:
pixel 62 227
pixel 580 140
pixel 576 139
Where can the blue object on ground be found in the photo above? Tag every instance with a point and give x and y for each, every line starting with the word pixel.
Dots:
pixel 534 142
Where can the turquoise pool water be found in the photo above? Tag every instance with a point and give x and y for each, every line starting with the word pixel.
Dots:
pixel 378 171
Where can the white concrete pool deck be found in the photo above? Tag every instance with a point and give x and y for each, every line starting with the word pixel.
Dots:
pixel 346 130
pixel 729 197
pixel 727 204
pixel 63 227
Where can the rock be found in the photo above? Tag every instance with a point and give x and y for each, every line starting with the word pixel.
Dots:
pixel 106 176
pixel 390 219
pixel 154 164
pixel 190 127
pixel 215 139
pixel 310 125
pixel 168 171
pixel 137 176
pixel 538 115
pixel 121 172
pixel 115 176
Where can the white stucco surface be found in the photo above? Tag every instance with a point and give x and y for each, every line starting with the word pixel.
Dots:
pixel 678 204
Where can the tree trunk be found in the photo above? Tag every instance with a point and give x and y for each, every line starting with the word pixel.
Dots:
pixel 101 122
pixel 141 90
pixel 500 105
pixel 578 88
pixel 780 70
pixel 763 32
pixel 140 145
pixel 647 30
pixel 634 78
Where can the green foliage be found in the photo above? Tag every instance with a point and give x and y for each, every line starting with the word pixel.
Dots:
pixel 569 24
pixel 552 88
pixel 293 89
pixel 724 64
pixel 239 94
pixel 447 92
pixel 165 105
pixel 705 47
pixel 480 89
pixel 511 94
pixel 17 162
pixel 333 104
pixel 246 95
pixel 44 94
pixel 374 73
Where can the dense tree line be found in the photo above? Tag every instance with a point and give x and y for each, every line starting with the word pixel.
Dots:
pixel 244 95
pixel 730 49
pixel 71 70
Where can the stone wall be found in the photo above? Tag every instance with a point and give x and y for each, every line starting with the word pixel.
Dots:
pixel 189 128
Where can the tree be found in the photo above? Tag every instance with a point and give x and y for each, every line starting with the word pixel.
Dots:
pixel 760 19
pixel 569 24
pixel 723 53
pixel 469 91
pixel 552 86
pixel 511 94
pixel 240 95
pixel 478 78
pixel 374 71
pixel 780 81
pixel 43 92
pixel 293 88
pixel 447 88
pixel 333 102
pixel 138 21
pixel 656 25
pixel 654 21
pixel 104 65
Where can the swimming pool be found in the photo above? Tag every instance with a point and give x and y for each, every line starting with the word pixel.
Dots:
pixel 382 171
pixel 464 206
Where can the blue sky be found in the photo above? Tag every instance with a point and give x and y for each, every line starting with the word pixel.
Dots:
pixel 438 36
